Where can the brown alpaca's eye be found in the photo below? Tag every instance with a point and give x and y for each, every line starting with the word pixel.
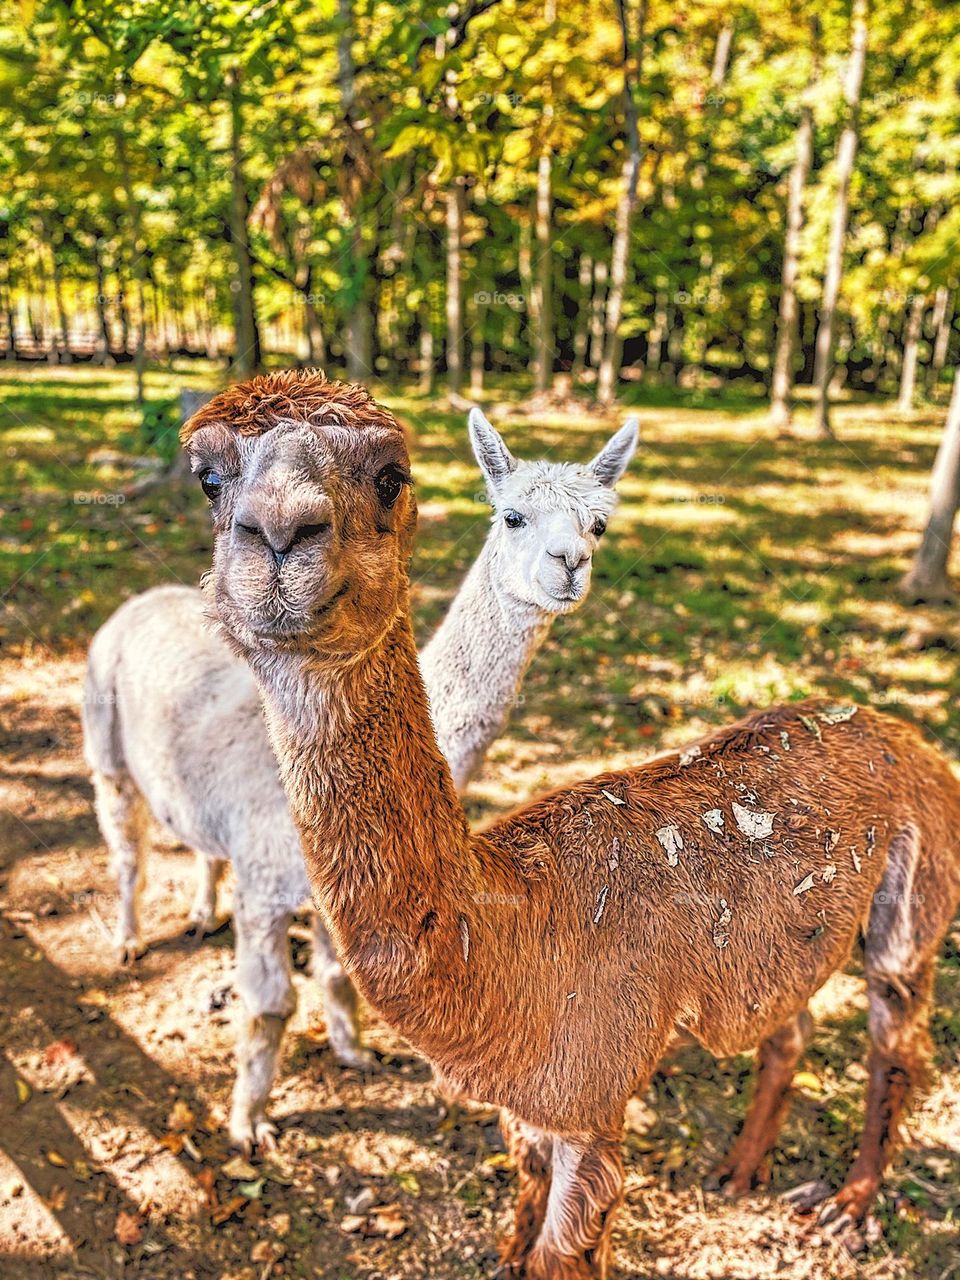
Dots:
pixel 389 482
pixel 211 482
pixel 599 527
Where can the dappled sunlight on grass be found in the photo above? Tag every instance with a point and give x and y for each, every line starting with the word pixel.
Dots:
pixel 739 570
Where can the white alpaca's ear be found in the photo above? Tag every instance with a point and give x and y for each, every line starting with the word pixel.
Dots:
pixel 612 460
pixel 495 459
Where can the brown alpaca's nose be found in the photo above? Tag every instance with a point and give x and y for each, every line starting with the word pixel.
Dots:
pixel 279 536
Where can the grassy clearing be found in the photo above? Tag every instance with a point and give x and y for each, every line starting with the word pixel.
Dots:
pixel 739 569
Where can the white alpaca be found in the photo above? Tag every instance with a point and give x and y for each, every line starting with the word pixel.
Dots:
pixel 173 726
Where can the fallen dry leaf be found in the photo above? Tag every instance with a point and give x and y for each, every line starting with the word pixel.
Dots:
pixel 713 820
pixel 57 1198
pixel 128 1228
pixel 754 825
pixel 60 1051
pixel 672 842
pixel 239 1169
pixel 181 1119
pixel 228 1209
pixel 207 1179
pixel 807 1080
pixel 387 1222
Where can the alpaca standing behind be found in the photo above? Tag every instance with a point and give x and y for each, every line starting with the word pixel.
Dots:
pixel 172 725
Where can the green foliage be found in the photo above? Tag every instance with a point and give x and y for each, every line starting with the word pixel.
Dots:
pixel 117 120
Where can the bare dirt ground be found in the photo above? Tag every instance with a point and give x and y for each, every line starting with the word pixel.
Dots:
pixel 114 1086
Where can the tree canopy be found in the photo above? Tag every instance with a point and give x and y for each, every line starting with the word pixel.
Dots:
pixel 189 176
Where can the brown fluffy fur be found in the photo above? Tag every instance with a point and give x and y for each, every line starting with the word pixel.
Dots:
pixel 295 395
pixel 545 963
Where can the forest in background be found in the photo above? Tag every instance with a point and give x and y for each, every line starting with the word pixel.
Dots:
pixel 589 192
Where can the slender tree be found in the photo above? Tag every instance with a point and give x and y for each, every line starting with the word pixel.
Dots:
pixel 781 412
pixel 619 259
pixel 846 156
pixel 911 347
pixel 927 578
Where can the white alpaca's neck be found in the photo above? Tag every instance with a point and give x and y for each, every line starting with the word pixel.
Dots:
pixel 476 660
pixel 388 853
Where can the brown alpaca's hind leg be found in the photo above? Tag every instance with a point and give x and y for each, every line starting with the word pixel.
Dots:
pixel 898 1064
pixel 587 1183
pixel 908 917
pixel 532 1151
pixel 745 1166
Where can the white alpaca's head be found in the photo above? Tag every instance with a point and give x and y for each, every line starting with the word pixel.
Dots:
pixel 548 516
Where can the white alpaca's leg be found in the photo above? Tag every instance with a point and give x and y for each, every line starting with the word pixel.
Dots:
pixel 339 1001
pixel 203 913
pixel 123 817
pixel 268 999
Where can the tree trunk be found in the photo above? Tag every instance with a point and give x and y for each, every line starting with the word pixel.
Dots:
pixel 528 288
pixel 312 327
pixel 781 391
pixel 247 357
pixel 658 331
pixel 597 312
pixel 137 248
pixel 426 355
pixel 63 319
pixel 721 55
pixel 10 311
pixel 477 360
pixel 911 345
pixel 544 275
pixel 359 325
pixel 455 209
pixel 927 578
pixel 620 256
pixel 582 322
pixel 942 317
pixel 102 350
pixel 544 345
pixel 846 155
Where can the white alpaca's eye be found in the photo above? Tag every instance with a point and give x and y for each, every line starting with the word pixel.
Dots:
pixel 514 520
pixel 211 482
pixel 599 527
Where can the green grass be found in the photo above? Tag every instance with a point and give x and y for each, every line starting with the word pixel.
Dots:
pixel 740 568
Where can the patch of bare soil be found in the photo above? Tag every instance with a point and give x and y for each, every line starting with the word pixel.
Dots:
pixel 114 1085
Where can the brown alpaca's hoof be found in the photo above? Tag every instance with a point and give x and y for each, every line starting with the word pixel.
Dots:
pixel 733 1180
pixel 846 1216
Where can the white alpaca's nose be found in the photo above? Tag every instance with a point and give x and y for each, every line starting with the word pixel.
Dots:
pixel 573 557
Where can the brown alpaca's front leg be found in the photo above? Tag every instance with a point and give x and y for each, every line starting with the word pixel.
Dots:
pixel 587 1184
pixel 532 1152
pixel 745 1166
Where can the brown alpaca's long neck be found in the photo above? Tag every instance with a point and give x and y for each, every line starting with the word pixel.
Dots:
pixel 386 843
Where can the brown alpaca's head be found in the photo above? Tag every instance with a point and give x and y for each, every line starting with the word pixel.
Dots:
pixel 313 512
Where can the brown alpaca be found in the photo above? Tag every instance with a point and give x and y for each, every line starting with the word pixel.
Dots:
pixel 545 963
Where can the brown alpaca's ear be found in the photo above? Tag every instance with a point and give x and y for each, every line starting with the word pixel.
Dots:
pixel 494 458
